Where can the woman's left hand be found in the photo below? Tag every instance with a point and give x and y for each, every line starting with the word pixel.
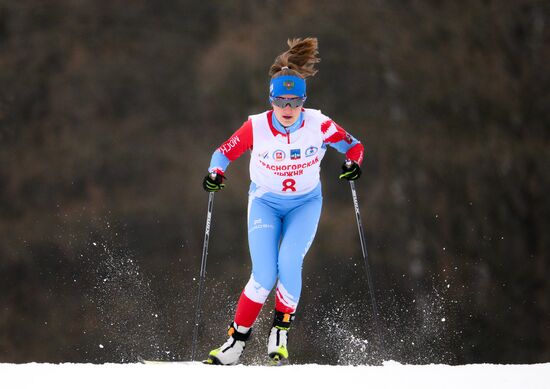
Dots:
pixel 350 171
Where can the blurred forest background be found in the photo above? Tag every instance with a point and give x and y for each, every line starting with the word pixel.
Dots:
pixel 109 113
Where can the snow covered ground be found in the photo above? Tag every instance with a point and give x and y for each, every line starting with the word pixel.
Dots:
pixel 188 375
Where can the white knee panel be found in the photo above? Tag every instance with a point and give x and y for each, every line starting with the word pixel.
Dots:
pixel 285 297
pixel 255 292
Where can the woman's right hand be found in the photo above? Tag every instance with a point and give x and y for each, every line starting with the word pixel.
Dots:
pixel 213 182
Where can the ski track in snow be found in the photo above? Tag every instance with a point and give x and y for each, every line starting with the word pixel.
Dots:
pixel 189 374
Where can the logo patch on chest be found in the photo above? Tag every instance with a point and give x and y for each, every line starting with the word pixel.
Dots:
pixel 295 154
pixel 279 155
pixel 311 150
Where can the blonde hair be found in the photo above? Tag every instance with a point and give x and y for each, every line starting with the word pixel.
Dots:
pixel 299 60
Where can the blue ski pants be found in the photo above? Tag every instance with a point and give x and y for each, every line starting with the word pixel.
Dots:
pixel 280 232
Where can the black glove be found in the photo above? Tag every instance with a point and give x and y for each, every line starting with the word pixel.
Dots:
pixel 350 171
pixel 213 182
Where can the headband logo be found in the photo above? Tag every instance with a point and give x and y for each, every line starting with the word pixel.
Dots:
pixel 288 84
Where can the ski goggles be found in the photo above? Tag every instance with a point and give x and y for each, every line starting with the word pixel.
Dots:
pixel 282 102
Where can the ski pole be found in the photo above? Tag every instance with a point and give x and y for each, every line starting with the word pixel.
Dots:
pixel 202 275
pixel 366 258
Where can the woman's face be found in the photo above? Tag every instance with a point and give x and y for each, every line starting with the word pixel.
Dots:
pixel 287 116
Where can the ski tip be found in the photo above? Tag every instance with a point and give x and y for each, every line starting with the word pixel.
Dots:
pixel 164 361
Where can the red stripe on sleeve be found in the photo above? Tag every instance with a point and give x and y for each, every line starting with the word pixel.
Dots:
pixel 334 135
pixel 239 142
pixel 325 126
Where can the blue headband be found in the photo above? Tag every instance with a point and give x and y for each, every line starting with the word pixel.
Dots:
pixel 287 85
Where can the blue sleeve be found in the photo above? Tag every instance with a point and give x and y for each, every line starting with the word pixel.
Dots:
pixel 218 161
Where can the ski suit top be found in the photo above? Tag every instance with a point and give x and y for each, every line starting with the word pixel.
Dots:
pixel 283 162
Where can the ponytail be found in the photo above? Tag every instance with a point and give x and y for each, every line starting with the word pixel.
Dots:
pixel 299 60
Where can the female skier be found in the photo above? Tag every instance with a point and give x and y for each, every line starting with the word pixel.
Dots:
pixel 284 205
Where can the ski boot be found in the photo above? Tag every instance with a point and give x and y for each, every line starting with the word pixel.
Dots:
pixel 277 342
pixel 230 352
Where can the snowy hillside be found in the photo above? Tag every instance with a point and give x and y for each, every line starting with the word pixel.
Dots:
pixel 186 375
